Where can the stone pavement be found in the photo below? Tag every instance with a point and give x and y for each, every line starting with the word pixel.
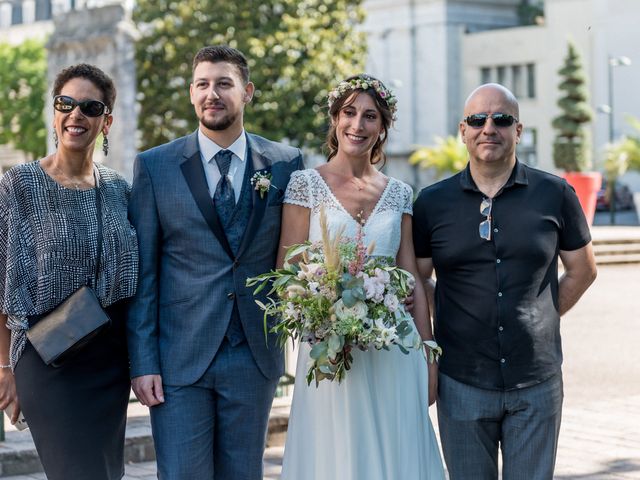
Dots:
pixel 600 434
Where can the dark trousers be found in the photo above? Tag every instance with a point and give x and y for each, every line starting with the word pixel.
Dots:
pixel 523 423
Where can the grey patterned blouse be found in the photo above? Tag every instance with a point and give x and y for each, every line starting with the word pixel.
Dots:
pixel 48 242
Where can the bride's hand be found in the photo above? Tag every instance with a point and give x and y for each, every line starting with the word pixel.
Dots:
pixel 433 382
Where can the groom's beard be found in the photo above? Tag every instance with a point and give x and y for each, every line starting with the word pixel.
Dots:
pixel 219 124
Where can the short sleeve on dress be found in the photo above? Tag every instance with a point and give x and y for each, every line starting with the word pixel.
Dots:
pixel 298 190
pixel 408 199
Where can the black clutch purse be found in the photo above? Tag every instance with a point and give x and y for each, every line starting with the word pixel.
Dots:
pixel 70 326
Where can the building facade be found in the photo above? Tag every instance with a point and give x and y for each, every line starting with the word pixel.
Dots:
pixel 436 51
pixel 433 53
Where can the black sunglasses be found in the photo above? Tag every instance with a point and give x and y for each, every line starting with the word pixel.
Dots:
pixel 90 108
pixel 500 120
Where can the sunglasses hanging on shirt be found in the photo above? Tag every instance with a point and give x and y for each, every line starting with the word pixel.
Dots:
pixel 484 229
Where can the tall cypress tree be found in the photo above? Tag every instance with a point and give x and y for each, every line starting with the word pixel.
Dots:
pixel 572 145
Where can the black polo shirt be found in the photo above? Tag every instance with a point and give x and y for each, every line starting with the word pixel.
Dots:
pixel 497 301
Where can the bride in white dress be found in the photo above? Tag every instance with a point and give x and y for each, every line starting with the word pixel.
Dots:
pixel 375 424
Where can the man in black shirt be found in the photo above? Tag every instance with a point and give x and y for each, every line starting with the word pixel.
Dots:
pixel 493 233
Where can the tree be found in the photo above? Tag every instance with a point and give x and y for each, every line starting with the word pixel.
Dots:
pixel 449 155
pixel 531 12
pixel 623 155
pixel 571 148
pixel 23 71
pixel 296 49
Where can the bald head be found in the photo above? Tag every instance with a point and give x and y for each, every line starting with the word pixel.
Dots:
pixel 493 91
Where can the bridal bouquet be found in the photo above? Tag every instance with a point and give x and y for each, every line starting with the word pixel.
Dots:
pixel 336 297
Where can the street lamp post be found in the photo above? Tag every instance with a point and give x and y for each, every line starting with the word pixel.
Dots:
pixel 613 62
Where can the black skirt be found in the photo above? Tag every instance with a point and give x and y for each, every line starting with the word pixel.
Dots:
pixel 77 412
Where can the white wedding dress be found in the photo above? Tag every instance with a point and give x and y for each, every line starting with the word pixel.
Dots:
pixel 375 424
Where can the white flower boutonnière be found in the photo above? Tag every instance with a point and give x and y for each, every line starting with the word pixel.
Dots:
pixel 261 182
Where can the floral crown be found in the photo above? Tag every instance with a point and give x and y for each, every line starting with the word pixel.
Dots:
pixel 365 82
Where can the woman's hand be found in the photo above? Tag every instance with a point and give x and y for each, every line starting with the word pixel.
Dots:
pixel 433 381
pixel 8 393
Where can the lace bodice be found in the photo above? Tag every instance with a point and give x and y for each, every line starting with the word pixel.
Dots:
pixel 308 189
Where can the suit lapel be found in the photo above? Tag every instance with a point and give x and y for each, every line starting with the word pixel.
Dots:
pixel 193 172
pixel 258 163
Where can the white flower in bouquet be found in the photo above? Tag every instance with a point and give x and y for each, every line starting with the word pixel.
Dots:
pixel 291 311
pixel 387 334
pixel 313 287
pixel 311 271
pixel 358 311
pixel 391 302
pixel 373 288
pixel 328 294
pixel 296 290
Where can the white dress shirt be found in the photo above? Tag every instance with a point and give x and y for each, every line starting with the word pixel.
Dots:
pixel 208 150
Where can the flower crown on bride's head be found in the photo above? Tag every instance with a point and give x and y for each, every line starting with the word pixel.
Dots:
pixel 365 82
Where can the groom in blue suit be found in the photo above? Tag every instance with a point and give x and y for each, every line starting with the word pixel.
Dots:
pixel 199 357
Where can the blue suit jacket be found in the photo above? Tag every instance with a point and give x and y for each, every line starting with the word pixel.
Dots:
pixel 189 277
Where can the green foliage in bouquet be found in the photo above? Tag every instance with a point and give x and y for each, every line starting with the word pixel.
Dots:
pixel 335 296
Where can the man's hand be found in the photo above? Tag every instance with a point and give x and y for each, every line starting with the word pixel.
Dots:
pixel 8 393
pixel 148 389
pixel 408 302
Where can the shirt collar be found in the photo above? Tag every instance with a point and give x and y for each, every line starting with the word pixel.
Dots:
pixel 209 148
pixel 518 176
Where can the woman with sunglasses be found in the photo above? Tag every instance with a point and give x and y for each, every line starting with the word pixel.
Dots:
pixel 51 213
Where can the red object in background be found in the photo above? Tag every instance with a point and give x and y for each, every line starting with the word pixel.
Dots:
pixel 586 185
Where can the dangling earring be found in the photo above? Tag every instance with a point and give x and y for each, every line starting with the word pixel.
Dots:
pixel 55 137
pixel 105 145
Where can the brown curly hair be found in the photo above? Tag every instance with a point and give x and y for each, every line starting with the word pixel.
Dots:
pixel 331 143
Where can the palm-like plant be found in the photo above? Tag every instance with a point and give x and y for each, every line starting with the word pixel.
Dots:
pixel 448 155
pixel 624 154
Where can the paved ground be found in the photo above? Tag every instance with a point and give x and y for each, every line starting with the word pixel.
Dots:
pixel 622 217
pixel 600 436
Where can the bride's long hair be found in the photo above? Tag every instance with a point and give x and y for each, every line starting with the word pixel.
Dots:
pixel 344 99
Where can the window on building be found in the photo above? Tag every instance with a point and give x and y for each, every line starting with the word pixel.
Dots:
pixel 502 75
pixel 527 148
pixel 43 10
pixel 485 75
pixel 516 80
pixel 531 80
pixel 16 13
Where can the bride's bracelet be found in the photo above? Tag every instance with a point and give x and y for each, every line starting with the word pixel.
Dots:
pixel 435 351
